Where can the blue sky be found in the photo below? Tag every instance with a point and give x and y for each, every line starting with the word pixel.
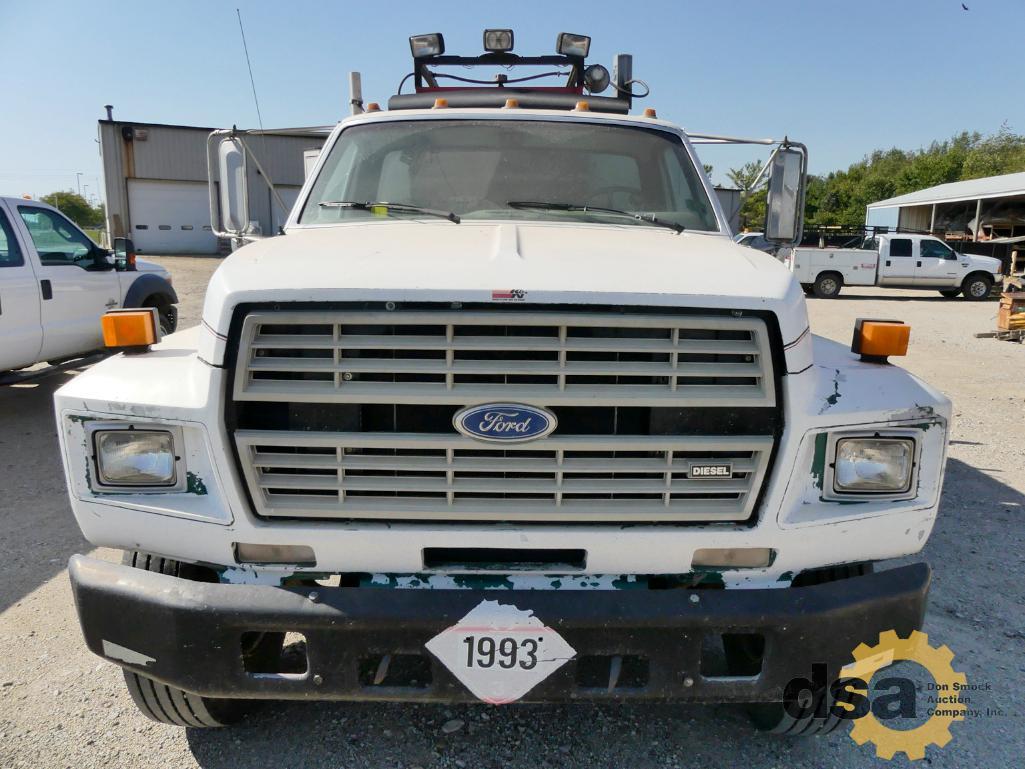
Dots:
pixel 843 77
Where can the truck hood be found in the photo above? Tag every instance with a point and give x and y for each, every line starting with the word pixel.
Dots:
pixel 550 263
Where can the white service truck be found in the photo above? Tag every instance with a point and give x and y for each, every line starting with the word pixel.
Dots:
pixel 895 260
pixel 56 283
pixel 504 414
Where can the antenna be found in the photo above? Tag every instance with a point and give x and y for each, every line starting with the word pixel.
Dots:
pixel 252 82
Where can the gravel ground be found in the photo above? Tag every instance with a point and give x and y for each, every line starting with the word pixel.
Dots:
pixel 61 707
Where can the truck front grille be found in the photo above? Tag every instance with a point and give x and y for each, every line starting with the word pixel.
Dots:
pixel 347 414
pixel 432 476
pixel 467 357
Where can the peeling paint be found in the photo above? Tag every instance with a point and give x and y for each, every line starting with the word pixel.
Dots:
pixel 831 400
pixel 505 581
pixel 124 654
pixel 248 575
pixel 195 484
pixel 78 418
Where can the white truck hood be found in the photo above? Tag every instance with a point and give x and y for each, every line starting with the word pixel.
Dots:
pixel 552 263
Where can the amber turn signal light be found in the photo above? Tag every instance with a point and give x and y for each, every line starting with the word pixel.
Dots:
pixel 127 329
pixel 875 340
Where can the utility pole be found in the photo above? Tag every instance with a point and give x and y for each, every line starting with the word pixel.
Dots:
pixel 78 178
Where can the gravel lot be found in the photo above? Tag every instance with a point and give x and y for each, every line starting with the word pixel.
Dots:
pixel 60 706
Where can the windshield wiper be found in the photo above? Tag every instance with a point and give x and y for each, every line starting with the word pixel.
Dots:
pixel 650 219
pixel 408 208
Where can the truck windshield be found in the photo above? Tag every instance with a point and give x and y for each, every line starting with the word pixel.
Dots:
pixel 485 169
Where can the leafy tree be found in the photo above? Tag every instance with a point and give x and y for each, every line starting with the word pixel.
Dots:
pixel 76 208
pixel 840 197
pixel 752 209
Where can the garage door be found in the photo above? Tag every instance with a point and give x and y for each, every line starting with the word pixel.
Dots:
pixel 170 217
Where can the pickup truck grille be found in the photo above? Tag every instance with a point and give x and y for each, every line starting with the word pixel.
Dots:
pixel 346 414
pixel 467 357
pixel 431 476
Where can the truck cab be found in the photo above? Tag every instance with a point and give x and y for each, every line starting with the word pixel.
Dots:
pixel 505 415
pixel 55 283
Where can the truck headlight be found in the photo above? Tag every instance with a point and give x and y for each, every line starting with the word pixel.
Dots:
pixel 135 458
pixel 873 465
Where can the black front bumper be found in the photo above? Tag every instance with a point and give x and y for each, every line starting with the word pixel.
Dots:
pixel 189 633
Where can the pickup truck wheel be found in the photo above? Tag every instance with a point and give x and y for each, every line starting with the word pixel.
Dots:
pixel 168 704
pixel 977 287
pixel 827 285
pixel 950 293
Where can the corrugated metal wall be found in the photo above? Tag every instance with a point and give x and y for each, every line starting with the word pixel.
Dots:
pixel 178 153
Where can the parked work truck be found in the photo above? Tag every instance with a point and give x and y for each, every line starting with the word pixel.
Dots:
pixel 503 415
pixel 55 283
pixel 895 260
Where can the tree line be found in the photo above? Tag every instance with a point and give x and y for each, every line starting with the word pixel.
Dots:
pixel 840 197
pixel 76 208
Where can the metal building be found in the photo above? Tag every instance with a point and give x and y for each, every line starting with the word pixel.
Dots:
pixel 155 177
pixel 976 210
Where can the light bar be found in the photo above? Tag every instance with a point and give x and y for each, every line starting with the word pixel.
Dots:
pixel 569 44
pixel 498 40
pixel 425 46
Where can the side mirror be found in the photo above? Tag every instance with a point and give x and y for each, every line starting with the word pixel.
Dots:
pixel 234 193
pixel 784 209
pixel 124 254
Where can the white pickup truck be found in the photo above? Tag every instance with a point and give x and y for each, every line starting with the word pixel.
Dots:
pixel 55 283
pixel 504 415
pixel 895 260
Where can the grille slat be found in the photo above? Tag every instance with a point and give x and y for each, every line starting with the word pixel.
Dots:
pixel 552 358
pixel 428 476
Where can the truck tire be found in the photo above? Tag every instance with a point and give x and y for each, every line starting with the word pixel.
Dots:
pixel 976 287
pixel 827 285
pixel 950 293
pixel 168 704
pixel 167 315
pixel 743 655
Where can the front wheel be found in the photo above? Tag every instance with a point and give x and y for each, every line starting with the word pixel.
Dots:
pixel 950 293
pixel 977 287
pixel 827 285
pixel 168 704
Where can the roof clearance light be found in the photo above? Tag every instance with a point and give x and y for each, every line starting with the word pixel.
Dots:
pixel 424 46
pixel 596 78
pixel 569 44
pixel 498 40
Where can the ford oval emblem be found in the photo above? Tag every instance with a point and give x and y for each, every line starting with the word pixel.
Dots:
pixel 504 422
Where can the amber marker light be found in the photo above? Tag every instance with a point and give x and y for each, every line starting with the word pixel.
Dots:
pixel 876 340
pixel 134 329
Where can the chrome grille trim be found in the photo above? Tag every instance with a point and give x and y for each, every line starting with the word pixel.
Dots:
pixel 578 359
pixel 425 476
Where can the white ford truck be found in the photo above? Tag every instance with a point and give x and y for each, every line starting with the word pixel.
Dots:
pixel 55 283
pixel 503 415
pixel 895 260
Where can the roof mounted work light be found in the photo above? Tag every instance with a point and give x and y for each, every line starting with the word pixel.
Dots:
pixel 498 40
pixel 569 44
pixel 596 78
pixel 424 46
